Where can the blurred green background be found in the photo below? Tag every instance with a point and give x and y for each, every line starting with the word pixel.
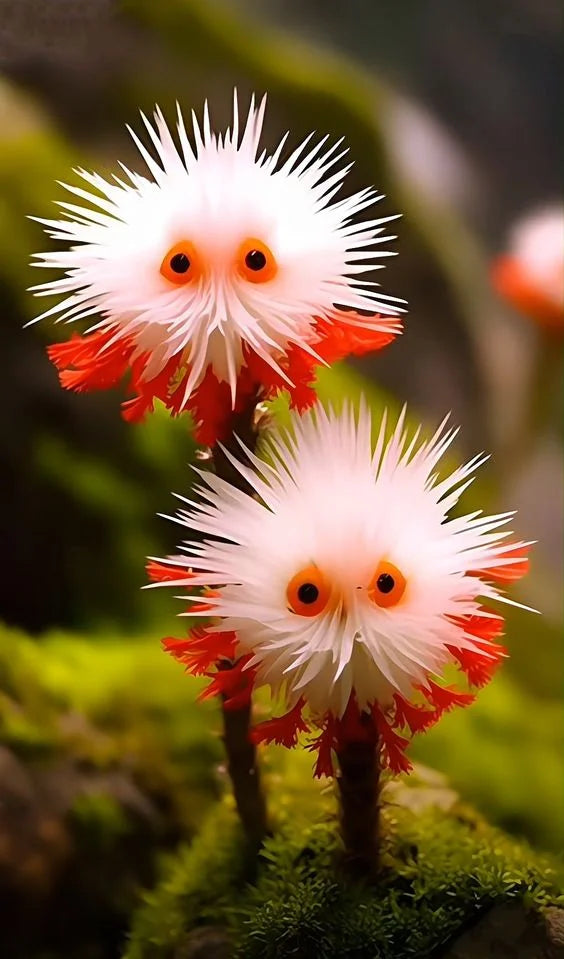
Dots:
pixel 448 108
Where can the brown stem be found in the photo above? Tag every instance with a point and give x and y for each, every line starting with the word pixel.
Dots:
pixel 358 782
pixel 241 752
pixel 244 774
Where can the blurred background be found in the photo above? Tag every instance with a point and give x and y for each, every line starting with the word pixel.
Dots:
pixel 449 107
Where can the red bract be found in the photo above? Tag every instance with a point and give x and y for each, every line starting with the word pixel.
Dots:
pixel 97 361
pixel 527 295
pixel 214 654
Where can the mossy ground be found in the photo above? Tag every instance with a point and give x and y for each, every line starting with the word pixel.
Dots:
pixel 107 703
pixel 104 698
pixel 106 759
pixel 441 869
pixel 123 764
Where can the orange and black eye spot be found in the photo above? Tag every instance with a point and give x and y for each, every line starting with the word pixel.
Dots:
pixel 181 264
pixel 256 262
pixel 387 586
pixel 308 592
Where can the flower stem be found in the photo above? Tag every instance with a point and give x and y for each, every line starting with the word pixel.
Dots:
pixel 241 751
pixel 245 775
pixel 358 783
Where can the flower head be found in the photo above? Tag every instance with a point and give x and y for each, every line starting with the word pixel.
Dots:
pixel 531 274
pixel 227 271
pixel 343 582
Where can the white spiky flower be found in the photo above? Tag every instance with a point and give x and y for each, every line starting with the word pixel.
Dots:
pixel 530 274
pixel 537 242
pixel 345 571
pixel 223 249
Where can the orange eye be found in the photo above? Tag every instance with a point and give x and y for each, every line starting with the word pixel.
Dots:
pixel 256 262
pixel 181 264
pixel 308 592
pixel 387 586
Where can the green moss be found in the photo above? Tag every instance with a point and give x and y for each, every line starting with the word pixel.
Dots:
pixel 30 162
pixel 101 698
pixel 98 820
pixel 439 871
pixel 88 484
pixel 504 754
pixel 109 703
pixel 117 705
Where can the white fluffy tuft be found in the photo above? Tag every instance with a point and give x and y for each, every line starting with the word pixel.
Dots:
pixel 324 494
pixel 537 244
pixel 215 191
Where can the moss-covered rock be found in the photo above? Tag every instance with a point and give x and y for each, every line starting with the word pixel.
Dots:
pixel 443 870
pixel 105 760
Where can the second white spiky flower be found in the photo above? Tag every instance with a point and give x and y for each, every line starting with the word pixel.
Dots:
pixel 345 575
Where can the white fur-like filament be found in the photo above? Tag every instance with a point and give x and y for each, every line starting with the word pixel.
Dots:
pixel 325 495
pixel 216 191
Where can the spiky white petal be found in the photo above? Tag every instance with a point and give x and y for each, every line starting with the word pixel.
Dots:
pixel 326 495
pixel 216 191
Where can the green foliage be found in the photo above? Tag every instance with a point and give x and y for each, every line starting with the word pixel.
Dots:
pixel 504 754
pixel 121 703
pixel 201 883
pixel 439 871
pixel 98 819
pixel 30 161
pixel 107 703
pixel 86 485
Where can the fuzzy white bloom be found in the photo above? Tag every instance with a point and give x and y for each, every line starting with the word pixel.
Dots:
pixel 223 247
pixel 537 244
pixel 345 572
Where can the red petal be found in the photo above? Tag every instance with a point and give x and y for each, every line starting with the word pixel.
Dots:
pixel 234 684
pixel 282 730
pixel 478 666
pixel 393 746
pixel 324 746
pixel 354 725
pixel 483 627
pixel 84 364
pixel 238 700
pixel 262 375
pixel 201 650
pixel 201 608
pixel 333 340
pixel 416 718
pixel 147 391
pixel 512 281
pixel 445 698
pixel 339 339
pixel 179 649
pixel 163 573
pixel 511 572
pixel 211 408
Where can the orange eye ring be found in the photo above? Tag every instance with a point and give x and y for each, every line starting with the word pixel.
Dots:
pixel 308 592
pixel 256 262
pixel 181 264
pixel 387 586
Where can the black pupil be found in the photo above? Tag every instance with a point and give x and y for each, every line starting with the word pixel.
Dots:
pixel 256 260
pixel 385 583
pixel 180 263
pixel 308 593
